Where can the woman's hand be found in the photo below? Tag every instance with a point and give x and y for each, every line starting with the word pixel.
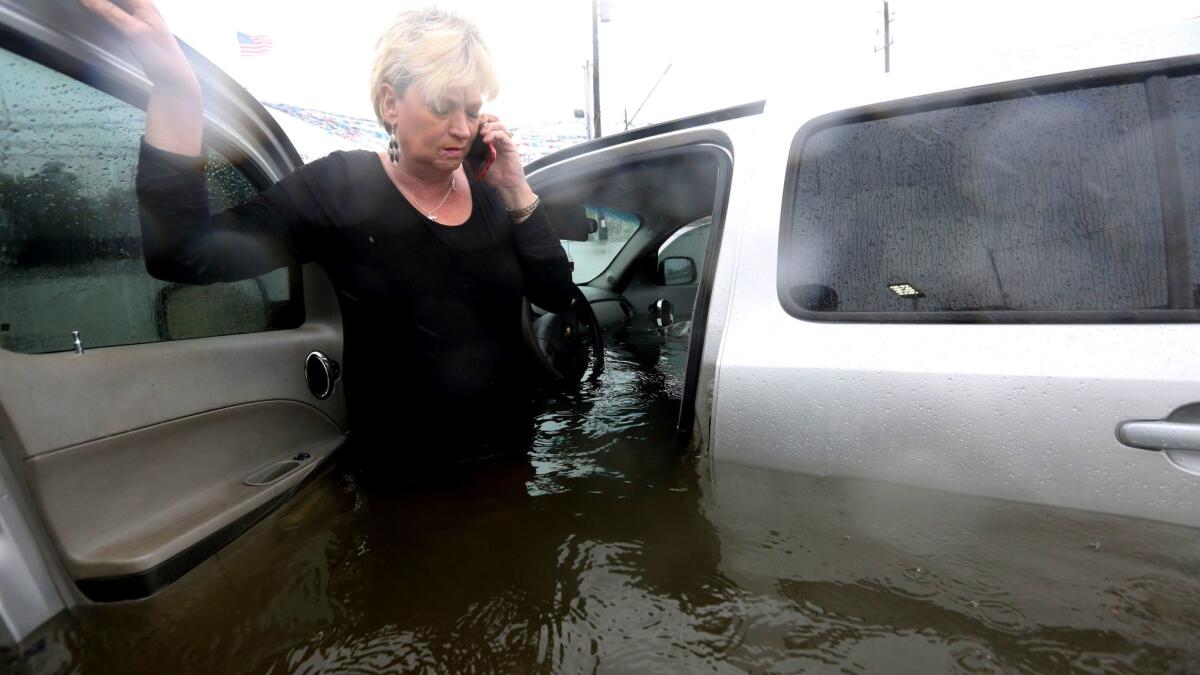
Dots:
pixel 175 110
pixel 506 171
pixel 506 175
pixel 148 37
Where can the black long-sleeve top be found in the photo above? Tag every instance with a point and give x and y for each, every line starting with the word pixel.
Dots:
pixel 431 313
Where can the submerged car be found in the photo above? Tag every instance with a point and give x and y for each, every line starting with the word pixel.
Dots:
pixel 986 285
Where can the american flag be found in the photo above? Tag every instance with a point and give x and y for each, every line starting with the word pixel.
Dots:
pixel 252 45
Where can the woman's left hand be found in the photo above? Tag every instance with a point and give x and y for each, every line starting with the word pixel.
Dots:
pixel 506 171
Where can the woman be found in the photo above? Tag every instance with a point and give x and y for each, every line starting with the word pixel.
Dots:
pixel 429 264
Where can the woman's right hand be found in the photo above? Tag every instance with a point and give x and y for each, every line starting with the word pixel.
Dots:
pixel 146 33
pixel 175 109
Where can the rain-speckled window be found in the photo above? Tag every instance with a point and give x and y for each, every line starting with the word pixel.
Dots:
pixel 70 249
pixel 1047 203
pixel 1185 104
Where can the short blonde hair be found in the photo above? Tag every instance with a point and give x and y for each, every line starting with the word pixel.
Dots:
pixel 439 49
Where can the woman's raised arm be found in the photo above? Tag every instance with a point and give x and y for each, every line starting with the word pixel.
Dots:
pixel 175 111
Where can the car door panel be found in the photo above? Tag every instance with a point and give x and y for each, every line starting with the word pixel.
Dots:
pixel 643 292
pixel 689 242
pixel 107 522
pixel 53 401
pixel 134 462
pixel 136 454
pixel 987 420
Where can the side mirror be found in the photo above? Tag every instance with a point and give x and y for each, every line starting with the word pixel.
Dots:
pixel 676 271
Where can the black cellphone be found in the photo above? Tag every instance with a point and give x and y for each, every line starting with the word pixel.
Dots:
pixel 479 157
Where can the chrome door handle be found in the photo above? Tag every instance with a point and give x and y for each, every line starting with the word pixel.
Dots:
pixel 1160 435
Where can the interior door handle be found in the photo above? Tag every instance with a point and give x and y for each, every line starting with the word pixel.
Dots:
pixel 1160 435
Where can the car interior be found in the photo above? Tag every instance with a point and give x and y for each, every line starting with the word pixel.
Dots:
pixel 657 263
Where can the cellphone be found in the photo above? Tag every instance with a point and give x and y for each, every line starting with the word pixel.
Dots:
pixel 479 157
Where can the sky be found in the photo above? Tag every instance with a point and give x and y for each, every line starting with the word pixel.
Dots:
pixel 718 53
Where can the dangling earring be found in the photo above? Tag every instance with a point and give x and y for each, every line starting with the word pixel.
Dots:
pixel 393 145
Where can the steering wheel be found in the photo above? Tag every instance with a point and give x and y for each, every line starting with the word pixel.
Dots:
pixel 558 344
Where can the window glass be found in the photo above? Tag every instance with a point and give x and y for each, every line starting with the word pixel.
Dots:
pixel 691 241
pixel 1185 94
pixel 613 230
pixel 1046 203
pixel 70 250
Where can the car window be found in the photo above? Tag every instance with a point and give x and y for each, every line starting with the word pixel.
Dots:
pixel 70 249
pixel 1185 104
pixel 1047 203
pixel 614 228
pixel 689 241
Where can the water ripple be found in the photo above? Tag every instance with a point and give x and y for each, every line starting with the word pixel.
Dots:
pixel 609 548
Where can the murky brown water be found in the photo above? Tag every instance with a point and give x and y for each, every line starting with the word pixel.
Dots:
pixel 609 550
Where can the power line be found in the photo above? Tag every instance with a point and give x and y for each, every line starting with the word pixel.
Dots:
pixel 629 120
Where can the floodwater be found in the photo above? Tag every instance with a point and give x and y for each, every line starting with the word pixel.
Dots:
pixel 611 549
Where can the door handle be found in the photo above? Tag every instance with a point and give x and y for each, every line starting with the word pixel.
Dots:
pixel 1177 437
pixel 1160 435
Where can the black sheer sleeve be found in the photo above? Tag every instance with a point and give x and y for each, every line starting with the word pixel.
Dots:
pixel 183 242
pixel 544 262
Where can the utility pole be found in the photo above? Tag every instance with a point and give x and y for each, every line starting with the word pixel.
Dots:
pixel 887 39
pixel 587 98
pixel 595 69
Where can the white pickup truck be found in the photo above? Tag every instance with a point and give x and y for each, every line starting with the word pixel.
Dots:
pixel 985 284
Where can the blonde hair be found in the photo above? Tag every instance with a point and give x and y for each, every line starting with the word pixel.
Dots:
pixel 439 49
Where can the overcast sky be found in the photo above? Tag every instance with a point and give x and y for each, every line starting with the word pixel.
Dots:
pixel 719 53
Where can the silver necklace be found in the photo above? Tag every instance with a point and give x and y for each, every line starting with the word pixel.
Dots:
pixel 429 213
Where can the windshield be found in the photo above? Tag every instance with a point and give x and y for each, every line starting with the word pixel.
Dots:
pixel 613 230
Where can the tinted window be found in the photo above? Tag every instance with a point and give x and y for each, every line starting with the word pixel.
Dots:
pixel 1046 203
pixel 70 250
pixel 1186 107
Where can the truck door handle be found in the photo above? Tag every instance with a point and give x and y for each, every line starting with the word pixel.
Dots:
pixel 1177 437
pixel 1160 435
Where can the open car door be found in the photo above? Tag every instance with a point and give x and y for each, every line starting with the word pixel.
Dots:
pixel 656 198
pixel 143 425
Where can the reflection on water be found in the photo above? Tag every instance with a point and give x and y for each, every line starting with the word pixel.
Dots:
pixel 610 549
